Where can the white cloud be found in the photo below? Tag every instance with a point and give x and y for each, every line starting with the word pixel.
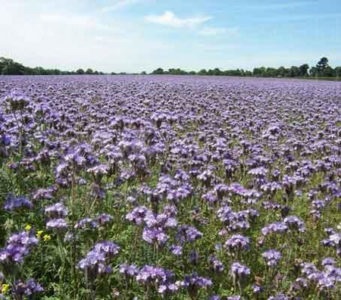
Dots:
pixel 215 31
pixel 168 18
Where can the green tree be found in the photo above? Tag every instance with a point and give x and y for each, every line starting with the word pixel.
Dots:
pixel 202 72
pixel 322 65
pixel 158 71
pixel 80 71
pixel 337 72
pixel 303 70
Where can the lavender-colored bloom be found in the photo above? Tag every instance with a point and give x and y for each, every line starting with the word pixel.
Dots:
pixel 57 210
pixel 328 261
pixel 99 170
pixel 56 224
pixel 28 288
pixel 271 257
pixel 216 264
pixel 278 297
pixel 194 281
pixel 129 270
pixel 256 289
pixel 154 235
pixel 95 261
pixel 44 193
pixel 240 271
pixel 294 223
pixel 16 202
pixel 277 227
pixel 176 250
pixel 103 219
pixel 18 246
pixel 149 274
pixel 86 223
pixel 188 233
pixel 299 284
pixel 237 243
pixel 107 247
pixel 168 288
pixel 137 215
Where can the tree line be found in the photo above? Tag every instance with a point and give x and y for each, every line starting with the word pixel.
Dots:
pixel 10 67
pixel 321 69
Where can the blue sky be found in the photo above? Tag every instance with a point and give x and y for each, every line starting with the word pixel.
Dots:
pixel 137 35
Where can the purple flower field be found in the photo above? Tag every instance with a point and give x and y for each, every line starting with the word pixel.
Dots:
pixel 156 187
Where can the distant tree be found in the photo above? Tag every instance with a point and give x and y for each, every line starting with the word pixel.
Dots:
pixel 217 72
pixel 80 71
pixel 202 72
pixel 294 71
pixel 313 71
pixel 89 71
pixel 158 71
pixel 337 72
pixel 10 67
pixel 329 72
pixel 322 65
pixel 282 72
pixel 303 70
pixel 143 73
pixel 259 71
pixel 113 73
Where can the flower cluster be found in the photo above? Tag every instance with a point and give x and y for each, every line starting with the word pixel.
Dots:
pixel 18 246
pixel 95 261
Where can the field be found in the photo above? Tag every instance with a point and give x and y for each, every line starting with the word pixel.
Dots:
pixel 166 187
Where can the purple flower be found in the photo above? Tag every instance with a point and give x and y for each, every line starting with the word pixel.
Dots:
pixel 85 223
pixel 168 288
pixel 194 281
pixel 16 202
pixel 328 261
pixel 216 264
pixel 237 243
pixel 57 210
pixel 188 233
pixel 154 235
pixel 129 270
pixel 176 250
pixel 271 257
pixel 277 227
pixel 18 246
pixel 28 288
pixel 95 261
pixel 279 297
pixel 107 247
pixel 240 271
pixel 137 215
pixel 294 223
pixel 150 274
pixel 56 224
pixel 103 219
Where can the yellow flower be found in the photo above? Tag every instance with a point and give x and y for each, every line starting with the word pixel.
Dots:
pixel 39 233
pixel 4 288
pixel 28 227
pixel 46 237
